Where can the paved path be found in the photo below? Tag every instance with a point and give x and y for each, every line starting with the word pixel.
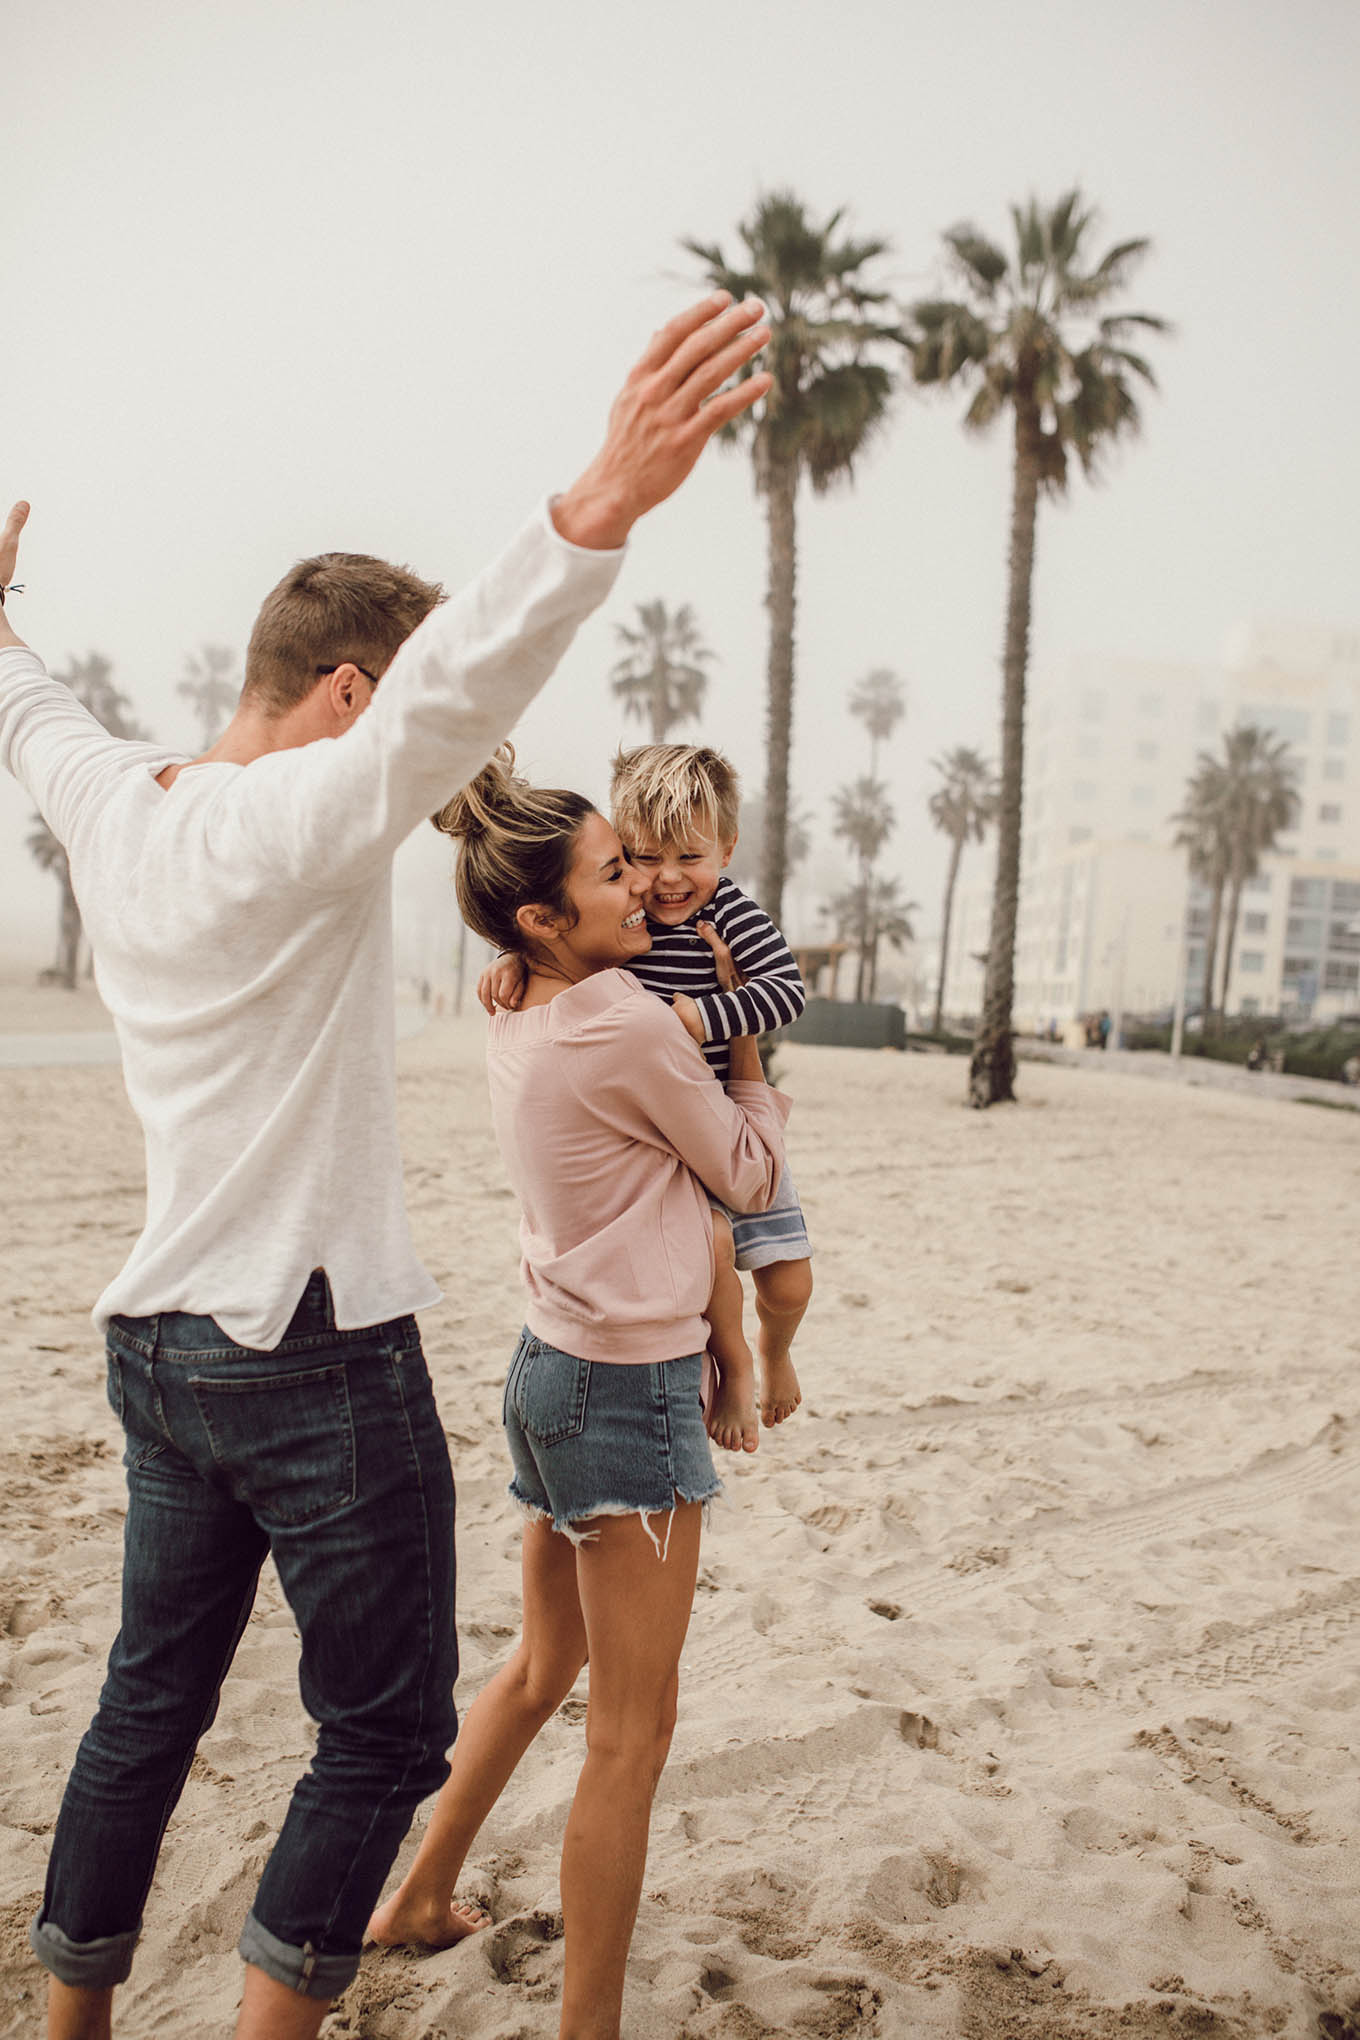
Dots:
pixel 1192 1069
pixel 100 1045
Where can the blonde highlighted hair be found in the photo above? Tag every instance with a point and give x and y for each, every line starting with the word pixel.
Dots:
pixel 516 846
pixel 660 792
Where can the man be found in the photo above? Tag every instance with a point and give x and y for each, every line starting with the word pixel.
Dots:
pixel 262 1354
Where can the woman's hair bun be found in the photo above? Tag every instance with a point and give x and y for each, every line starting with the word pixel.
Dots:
pixel 485 800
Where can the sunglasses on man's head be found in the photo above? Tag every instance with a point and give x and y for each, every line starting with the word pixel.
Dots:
pixel 347 662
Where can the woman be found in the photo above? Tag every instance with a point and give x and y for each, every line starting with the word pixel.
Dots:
pixel 612 1130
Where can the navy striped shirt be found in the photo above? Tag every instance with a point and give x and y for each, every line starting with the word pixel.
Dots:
pixel 680 960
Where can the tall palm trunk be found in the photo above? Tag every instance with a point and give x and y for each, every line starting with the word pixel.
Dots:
pixel 862 990
pixel 1211 954
pixel 1235 885
pixel 991 1070
pixel 781 490
pixel 954 856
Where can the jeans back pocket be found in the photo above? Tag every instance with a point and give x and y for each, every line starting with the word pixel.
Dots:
pixel 550 1393
pixel 285 1442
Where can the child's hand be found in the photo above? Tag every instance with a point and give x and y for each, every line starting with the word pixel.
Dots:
pixel 729 977
pixel 690 1017
pixel 501 985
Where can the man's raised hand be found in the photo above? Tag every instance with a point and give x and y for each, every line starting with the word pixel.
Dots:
pixel 9 542
pixel 664 416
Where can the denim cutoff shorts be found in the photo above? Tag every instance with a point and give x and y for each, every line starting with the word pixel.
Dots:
pixel 604 1437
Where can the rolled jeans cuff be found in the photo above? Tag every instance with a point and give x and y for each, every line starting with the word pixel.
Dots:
pixel 304 1970
pixel 83 1965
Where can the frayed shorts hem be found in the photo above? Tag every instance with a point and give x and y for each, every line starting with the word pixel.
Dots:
pixel 83 1965
pixel 303 1969
pixel 534 1512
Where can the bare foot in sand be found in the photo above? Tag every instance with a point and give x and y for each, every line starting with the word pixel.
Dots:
pixel 780 1393
pixel 732 1414
pixel 402 1923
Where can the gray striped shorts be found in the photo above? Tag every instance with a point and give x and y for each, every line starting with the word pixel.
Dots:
pixel 779 1234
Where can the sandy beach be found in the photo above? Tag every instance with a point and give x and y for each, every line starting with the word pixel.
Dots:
pixel 1020 1695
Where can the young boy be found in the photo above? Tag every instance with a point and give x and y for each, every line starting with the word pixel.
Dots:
pixel 675 809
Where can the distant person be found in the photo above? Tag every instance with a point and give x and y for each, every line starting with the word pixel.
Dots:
pixel 721 961
pixel 1103 1030
pixel 614 1133
pixel 262 1353
pixel 1257 1056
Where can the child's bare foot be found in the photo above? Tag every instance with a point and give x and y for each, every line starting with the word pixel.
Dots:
pixel 732 1414
pixel 780 1393
pixel 407 1922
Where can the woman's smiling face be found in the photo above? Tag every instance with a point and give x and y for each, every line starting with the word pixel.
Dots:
pixel 605 892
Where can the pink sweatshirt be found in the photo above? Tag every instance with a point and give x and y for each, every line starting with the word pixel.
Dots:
pixel 610 1125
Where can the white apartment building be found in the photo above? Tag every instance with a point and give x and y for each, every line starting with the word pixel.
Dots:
pixel 1105 902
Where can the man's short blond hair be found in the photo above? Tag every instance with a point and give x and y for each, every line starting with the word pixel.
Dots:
pixel 660 792
pixel 326 610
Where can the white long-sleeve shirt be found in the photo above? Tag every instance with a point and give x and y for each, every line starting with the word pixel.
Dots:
pixel 240 924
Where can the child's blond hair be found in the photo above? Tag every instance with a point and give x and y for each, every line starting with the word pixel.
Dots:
pixel 659 792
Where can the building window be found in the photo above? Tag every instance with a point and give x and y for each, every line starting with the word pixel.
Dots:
pixel 1206 717
pixel 1346 896
pixel 1079 835
pixel 1338 729
pixel 1248 1007
pixel 1088 744
pixel 1334 768
pixel 1254 924
pixel 1341 976
pixel 1308 892
pixel 1261 883
pixel 1142 796
pixel 1251 959
pixel 1084 789
pixel 1330 811
pixel 1148 751
pixel 1304 931
pixel 1294 724
pixel 1344 934
pixel 1297 967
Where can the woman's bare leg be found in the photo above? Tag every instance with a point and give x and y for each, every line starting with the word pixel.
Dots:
pixel 636 1607
pixel 732 1419
pixel 498 1729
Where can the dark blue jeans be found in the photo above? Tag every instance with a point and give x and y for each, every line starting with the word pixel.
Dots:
pixel 328 1453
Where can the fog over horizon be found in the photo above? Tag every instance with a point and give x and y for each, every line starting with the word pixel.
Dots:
pixel 366 278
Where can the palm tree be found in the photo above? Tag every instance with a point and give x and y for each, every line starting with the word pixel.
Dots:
pixel 864 818
pixel 962 807
pixel 1202 833
pixel 869 915
pixel 1026 334
pixel 91 681
pixel 212 685
pixel 1263 802
pixel 879 700
pixel 1236 807
pixel 830 396
pixel 662 678
pixel 49 855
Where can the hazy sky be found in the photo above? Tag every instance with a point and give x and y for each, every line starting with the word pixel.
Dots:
pixel 283 276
